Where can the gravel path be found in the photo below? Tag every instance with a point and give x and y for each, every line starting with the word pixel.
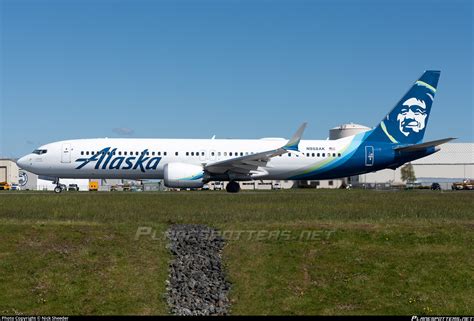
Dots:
pixel 196 284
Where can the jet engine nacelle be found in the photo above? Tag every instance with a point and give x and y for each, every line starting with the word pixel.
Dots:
pixel 181 175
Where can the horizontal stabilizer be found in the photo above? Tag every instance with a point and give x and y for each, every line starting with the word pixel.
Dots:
pixel 416 147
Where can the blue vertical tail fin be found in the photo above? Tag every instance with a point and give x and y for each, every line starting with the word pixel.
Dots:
pixel 406 122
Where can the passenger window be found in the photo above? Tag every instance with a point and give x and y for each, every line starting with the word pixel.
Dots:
pixel 176 154
pixel 82 153
pixel 164 153
pixel 225 153
pixel 192 153
pixel 230 153
pixel 289 154
pixel 187 153
pixel 339 155
pixel 323 154
pixel 218 153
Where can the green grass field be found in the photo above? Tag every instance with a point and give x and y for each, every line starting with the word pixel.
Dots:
pixel 369 252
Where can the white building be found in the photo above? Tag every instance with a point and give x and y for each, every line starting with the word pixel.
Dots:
pixel 8 171
pixel 346 130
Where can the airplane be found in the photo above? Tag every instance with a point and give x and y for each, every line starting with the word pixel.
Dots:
pixel 191 163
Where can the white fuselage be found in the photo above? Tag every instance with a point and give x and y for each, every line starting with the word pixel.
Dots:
pixel 67 159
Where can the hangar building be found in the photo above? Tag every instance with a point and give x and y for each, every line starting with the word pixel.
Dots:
pixel 8 171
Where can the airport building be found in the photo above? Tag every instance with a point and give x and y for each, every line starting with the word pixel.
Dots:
pixel 8 171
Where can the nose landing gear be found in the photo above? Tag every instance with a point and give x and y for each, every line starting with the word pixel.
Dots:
pixel 233 187
pixel 59 187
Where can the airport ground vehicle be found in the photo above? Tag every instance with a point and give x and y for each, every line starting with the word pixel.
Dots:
pixel 218 186
pixel 276 185
pixel 435 187
pixel 15 187
pixel 467 184
pixel 73 187
pixel 93 186
pixel 4 186
pixel 135 188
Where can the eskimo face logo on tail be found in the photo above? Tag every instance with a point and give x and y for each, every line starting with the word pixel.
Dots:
pixel 107 159
pixel 406 123
pixel 412 116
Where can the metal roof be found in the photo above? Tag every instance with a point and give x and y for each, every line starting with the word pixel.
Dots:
pixel 451 153
pixel 351 126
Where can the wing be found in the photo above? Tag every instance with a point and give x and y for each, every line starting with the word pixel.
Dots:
pixel 249 164
pixel 413 148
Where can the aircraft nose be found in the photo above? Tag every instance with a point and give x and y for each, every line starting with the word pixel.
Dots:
pixel 23 162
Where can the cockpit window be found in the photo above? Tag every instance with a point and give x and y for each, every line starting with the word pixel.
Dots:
pixel 40 151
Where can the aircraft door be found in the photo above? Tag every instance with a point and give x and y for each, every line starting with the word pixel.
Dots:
pixel 66 153
pixel 369 155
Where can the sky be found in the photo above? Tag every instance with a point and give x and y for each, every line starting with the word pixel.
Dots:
pixel 230 68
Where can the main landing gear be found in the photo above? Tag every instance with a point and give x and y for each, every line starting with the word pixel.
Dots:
pixel 233 187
